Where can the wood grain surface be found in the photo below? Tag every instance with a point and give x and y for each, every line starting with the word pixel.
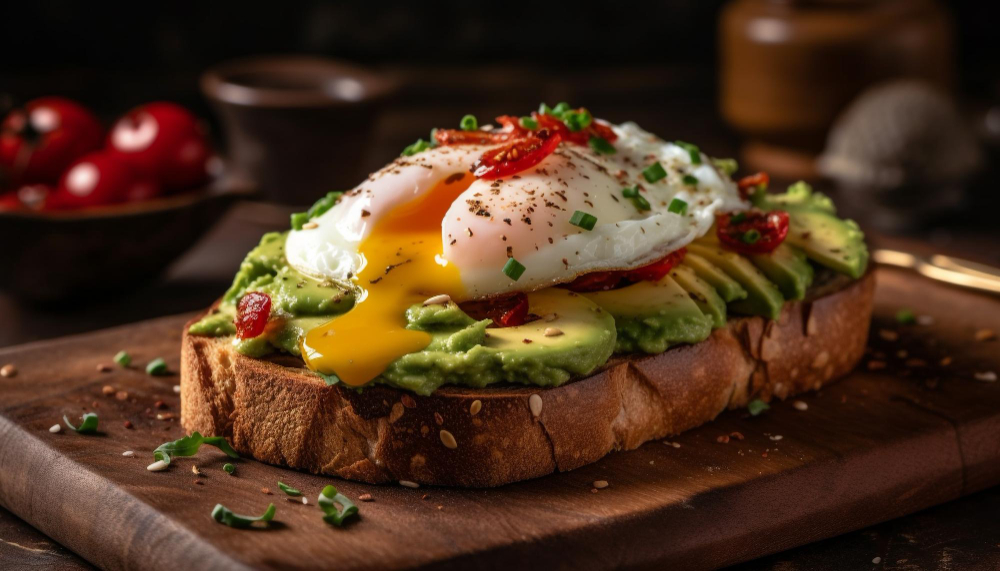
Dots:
pixel 881 443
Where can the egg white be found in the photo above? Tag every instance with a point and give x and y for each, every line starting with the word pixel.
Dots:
pixel 527 215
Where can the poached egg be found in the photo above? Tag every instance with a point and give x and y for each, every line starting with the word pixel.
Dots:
pixel 425 226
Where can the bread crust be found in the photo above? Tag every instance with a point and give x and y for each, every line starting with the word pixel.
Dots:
pixel 277 412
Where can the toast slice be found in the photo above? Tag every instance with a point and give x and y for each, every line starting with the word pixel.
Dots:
pixel 278 412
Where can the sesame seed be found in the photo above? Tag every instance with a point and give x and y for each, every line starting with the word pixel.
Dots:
pixel 986 376
pixel 365 497
pixel 157 466
pixel 475 407
pixel 776 437
pixel 310 225
pixel 305 501
pixel 535 404
pixel 925 320
pixel 177 389
pixel 800 405
pixel 408 484
pixel 195 471
pixel 552 332
pixel 600 484
pixel 128 453
pixel 108 390
pixel 448 439
pixel 441 299
pixel 8 370
pixel 55 428
pixel 877 560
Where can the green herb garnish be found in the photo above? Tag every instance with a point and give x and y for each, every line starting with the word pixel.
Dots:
pixel 417 147
pixel 189 445
pixel 288 489
pixel 228 468
pixel 513 269
pixel 692 150
pixel 156 367
pixel 757 406
pixel 632 193
pixel 328 500
pixel 906 317
pixel 678 206
pixel 87 426
pixel 224 515
pixel 654 172
pixel 727 166
pixel 559 109
pixel 331 379
pixel 583 220
pixel 123 359
pixel 690 180
pixel 577 120
pixel 317 209
pixel 751 236
pixel 528 123
pixel 601 145
pixel 469 123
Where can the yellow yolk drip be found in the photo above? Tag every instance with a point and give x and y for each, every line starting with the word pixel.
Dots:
pixel 401 265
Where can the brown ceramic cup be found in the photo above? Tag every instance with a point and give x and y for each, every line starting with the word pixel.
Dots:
pixel 296 127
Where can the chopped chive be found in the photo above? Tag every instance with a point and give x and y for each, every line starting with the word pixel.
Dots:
pixel 738 217
pixel 417 147
pixel 299 219
pixel 727 166
pixel 757 406
pixel 560 108
pixel 288 489
pixel 583 220
pixel 601 145
pixel 123 359
pixel 641 203
pixel 654 172
pixel 906 317
pixel 328 500
pixel 87 426
pixel 513 269
pixel 228 468
pixel 528 123
pixel 577 120
pixel 157 367
pixel 751 236
pixel 224 515
pixel 189 446
pixel 690 180
pixel 469 123
pixel 692 150
pixel 544 109
pixel 678 206
pixel 630 191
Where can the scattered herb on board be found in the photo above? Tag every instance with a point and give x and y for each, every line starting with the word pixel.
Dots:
pixel 288 489
pixel 224 515
pixel 123 359
pixel 228 468
pixel 757 406
pixel 328 500
pixel 87 426
pixel 906 317
pixel 157 367
pixel 189 445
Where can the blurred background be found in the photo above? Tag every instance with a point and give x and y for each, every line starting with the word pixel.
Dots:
pixel 892 106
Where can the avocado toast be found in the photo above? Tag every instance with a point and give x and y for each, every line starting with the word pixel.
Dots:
pixel 410 354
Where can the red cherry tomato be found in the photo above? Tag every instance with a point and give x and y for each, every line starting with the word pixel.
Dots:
pixel 38 142
pixel 98 179
pixel 516 156
pixel 603 281
pixel 748 184
pixel 252 313
pixel 581 137
pixel 163 142
pixel 752 232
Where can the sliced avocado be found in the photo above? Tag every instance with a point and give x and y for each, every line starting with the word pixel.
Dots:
pixel 702 293
pixel 763 297
pixel 787 267
pixel 652 316
pixel 729 289
pixel 799 196
pixel 829 241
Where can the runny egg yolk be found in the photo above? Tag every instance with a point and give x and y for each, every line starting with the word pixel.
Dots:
pixel 401 265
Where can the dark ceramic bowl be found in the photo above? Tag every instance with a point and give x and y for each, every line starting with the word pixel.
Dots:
pixel 296 127
pixel 59 256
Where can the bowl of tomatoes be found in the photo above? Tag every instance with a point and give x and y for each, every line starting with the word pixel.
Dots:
pixel 89 210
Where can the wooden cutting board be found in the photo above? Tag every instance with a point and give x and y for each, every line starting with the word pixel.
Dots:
pixel 881 443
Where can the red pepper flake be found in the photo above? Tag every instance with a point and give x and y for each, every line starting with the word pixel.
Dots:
pixel 438 418
pixel 160 405
pixel 724 439
pixel 737 435
pixel 408 401
pixel 128 424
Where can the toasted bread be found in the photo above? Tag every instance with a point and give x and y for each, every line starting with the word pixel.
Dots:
pixel 278 412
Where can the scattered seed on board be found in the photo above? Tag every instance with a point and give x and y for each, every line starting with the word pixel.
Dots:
pixel 800 405
pixel 776 437
pixel 305 501
pixel 475 407
pixel 535 404
pixel 55 428
pixel 195 471
pixel 177 389
pixel 8 370
pixel 157 466
pixel 442 299
pixel 408 484
pixel 986 376
pixel 128 453
pixel 552 332
pixel 365 497
pixel 448 439
pixel 600 484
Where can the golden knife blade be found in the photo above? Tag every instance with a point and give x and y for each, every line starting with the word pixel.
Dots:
pixel 947 269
